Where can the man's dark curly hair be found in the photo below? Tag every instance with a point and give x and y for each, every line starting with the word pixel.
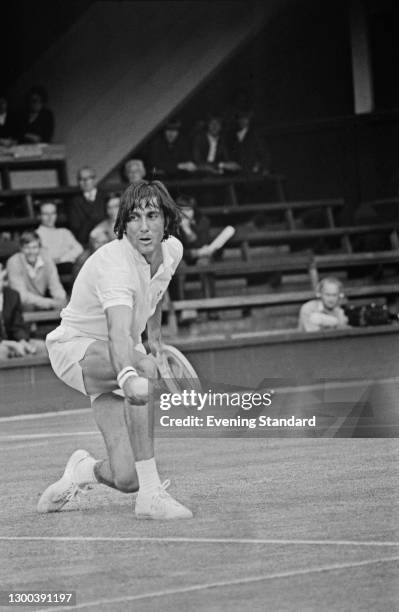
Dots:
pixel 142 194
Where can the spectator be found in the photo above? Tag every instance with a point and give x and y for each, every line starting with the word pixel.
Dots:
pixel 37 121
pixel 33 274
pixel 88 208
pixel 14 336
pixel 194 230
pixel 8 129
pixel 107 226
pixel 8 246
pixel 134 170
pixel 247 147
pixel 97 240
pixel 169 152
pixel 210 152
pixel 60 243
pixel 325 311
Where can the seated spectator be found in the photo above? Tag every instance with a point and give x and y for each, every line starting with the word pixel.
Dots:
pixel 8 246
pixel 34 275
pixel 8 128
pixel 60 243
pixel 210 151
pixel 247 147
pixel 134 170
pixel 37 121
pixel 14 336
pixel 325 311
pixel 97 240
pixel 88 208
pixel 169 152
pixel 194 230
pixel 107 226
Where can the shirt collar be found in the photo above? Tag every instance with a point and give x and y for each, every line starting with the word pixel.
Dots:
pixel 167 259
pixel 33 269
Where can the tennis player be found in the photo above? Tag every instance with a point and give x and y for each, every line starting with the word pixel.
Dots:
pixel 97 350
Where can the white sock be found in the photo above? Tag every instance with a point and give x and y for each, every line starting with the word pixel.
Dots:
pixel 147 473
pixel 84 471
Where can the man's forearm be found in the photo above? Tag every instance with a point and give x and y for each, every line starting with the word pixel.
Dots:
pixel 121 350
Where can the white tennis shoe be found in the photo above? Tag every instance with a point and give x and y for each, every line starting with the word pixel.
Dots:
pixel 161 506
pixel 65 489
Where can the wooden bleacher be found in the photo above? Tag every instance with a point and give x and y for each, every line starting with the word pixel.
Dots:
pixel 288 209
pixel 283 297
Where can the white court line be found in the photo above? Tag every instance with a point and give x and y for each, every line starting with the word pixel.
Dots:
pixel 39 436
pixel 8 447
pixel 222 583
pixel 42 415
pixel 183 540
pixel 315 387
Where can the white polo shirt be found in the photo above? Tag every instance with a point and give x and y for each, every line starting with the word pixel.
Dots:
pixel 118 275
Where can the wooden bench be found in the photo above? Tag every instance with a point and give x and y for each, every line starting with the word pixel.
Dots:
pixel 26 199
pixel 231 213
pixel 245 239
pixel 273 299
pixel 290 263
pixel 234 269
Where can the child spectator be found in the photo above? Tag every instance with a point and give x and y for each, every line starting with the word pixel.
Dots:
pixel 34 275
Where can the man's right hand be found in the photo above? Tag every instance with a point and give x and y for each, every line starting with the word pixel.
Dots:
pixel 136 390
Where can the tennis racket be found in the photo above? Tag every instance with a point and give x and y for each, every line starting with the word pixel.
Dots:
pixel 176 370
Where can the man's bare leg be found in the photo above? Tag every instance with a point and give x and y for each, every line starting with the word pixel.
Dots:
pixel 118 470
pixel 128 432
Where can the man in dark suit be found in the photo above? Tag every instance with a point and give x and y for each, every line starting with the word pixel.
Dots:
pixel 14 335
pixel 8 127
pixel 210 152
pixel 37 121
pixel 247 147
pixel 88 208
pixel 169 152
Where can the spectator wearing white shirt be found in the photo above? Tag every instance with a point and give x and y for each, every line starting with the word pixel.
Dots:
pixel 325 311
pixel 34 275
pixel 60 243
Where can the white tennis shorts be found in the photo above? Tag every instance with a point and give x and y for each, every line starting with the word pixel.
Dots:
pixel 66 349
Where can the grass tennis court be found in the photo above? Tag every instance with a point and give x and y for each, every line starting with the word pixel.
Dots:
pixel 293 524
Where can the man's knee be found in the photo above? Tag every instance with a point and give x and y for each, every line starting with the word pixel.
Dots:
pixel 126 482
pixel 147 368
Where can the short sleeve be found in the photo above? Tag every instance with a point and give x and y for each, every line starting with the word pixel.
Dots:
pixel 114 284
pixel 175 249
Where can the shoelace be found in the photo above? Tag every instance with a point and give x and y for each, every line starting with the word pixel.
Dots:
pixel 165 485
pixel 163 494
pixel 72 492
